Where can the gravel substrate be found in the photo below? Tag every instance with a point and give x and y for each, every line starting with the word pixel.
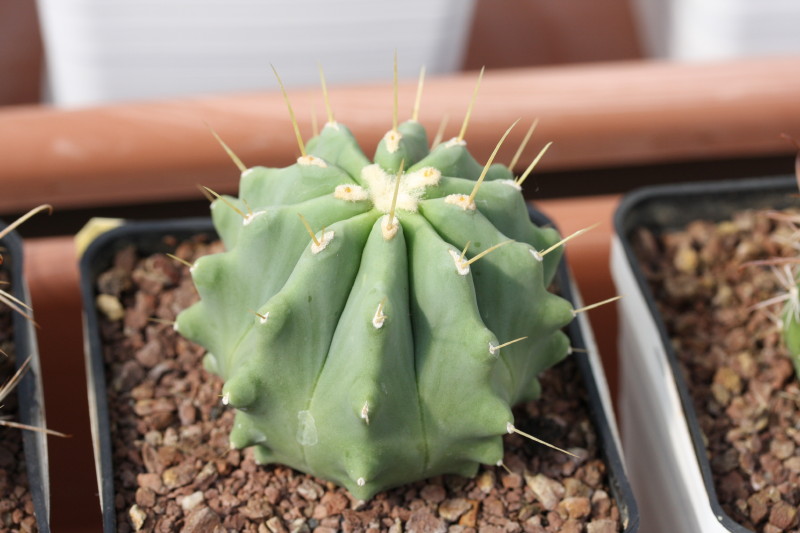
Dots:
pixel 174 469
pixel 743 385
pixel 16 503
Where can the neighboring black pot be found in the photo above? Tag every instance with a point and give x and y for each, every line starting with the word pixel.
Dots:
pixel 30 396
pixel 665 451
pixel 147 236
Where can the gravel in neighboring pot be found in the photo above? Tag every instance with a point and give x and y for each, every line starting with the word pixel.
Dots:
pixel 16 503
pixel 174 469
pixel 740 378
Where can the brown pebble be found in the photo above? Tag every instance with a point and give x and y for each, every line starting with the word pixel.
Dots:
pixel 156 405
pixel 129 374
pixel 470 518
pixel 201 520
pixel 782 448
pixel 574 507
pixel 601 503
pixel 452 510
pixel 575 487
pixel 150 354
pixel 178 476
pixel 272 494
pixel 549 492
pixel 603 525
pixel 28 525
pixel 335 502
pixel 593 473
pixel 423 521
pixel 257 509
pixel 571 526
pixel 512 481
pixel 433 493
pixel 729 379
pixel 783 516
pixel 310 490
pixel 151 481
pixel 493 506
pixel 275 525
pixel 145 497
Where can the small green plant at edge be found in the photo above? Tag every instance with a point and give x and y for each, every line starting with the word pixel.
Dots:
pixel 789 319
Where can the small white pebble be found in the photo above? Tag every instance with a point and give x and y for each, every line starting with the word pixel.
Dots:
pixel 191 501
pixel 137 516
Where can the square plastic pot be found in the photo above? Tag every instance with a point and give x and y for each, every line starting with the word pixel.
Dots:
pixel 665 452
pixel 147 237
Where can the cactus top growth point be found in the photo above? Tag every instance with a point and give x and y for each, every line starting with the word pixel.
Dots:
pixel 378 351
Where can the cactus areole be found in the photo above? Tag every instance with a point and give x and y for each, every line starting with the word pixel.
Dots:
pixel 374 353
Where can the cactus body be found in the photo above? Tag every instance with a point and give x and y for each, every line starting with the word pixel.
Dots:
pixel 369 357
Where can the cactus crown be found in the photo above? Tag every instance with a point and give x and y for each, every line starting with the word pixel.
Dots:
pixel 387 346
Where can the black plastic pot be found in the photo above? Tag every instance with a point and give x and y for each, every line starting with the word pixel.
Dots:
pixel 147 236
pixel 29 391
pixel 666 455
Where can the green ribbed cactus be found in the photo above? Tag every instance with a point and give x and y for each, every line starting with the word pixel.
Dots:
pixel 377 351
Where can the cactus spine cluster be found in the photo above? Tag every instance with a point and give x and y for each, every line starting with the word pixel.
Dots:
pixel 377 351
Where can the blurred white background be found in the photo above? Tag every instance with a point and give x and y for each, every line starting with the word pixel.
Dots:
pixel 101 51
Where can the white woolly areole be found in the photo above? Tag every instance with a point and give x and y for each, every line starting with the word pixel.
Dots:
pixel 226 398
pixel 461 266
pixel 263 318
pixel 392 139
pixel 389 229
pixel 461 200
pixel 361 482
pixel 249 217
pixel 381 190
pixel 511 183
pixel 332 124
pixel 536 255
pixel 307 160
pixel 327 237
pixel 247 171
pixel 379 318
pixel 510 428
pixel 455 141
pixel 424 177
pixel 365 413
pixel 350 193
pixel 493 349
